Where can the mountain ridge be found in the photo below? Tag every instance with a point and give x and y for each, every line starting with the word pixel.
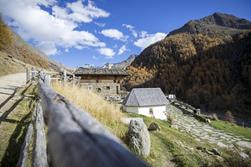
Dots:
pixel 209 71
pixel 123 64
pixel 215 24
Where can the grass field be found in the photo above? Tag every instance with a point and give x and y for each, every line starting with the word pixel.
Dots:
pixel 169 147
pixel 232 128
pixel 108 114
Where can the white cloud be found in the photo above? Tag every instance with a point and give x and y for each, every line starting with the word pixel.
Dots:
pixel 78 12
pixel 149 39
pixel 54 30
pixel 60 12
pixel 94 57
pixel 131 29
pixel 100 24
pixel 82 13
pixel 143 34
pixel 47 47
pixel 109 53
pixel 122 50
pixel 113 33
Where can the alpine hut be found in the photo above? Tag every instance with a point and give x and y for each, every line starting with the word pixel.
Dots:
pixel 146 101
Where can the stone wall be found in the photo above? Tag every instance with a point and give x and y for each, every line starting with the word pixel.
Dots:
pixel 105 89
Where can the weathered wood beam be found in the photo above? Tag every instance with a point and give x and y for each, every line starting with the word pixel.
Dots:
pixel 28 75
pixel 77 139
pixel 22 162
pixel 40 153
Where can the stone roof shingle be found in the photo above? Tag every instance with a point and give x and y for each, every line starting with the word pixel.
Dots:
pixel 99 71
pixel 145 97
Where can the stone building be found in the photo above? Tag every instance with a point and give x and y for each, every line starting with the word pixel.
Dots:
pixel 104 81
pixel 150 102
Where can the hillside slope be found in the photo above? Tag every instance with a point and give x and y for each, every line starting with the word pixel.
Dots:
pixel 15 53
pixel 208 70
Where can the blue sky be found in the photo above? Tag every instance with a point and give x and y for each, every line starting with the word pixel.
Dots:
pixel 76 32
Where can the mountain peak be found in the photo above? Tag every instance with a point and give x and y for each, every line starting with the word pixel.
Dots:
pixel 227 20
pixel 215 24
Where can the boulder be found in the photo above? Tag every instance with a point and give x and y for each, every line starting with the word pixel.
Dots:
pixel 215 151
pixel 244 155
pixel 153 126
pixel 128 120
pixel 139 138
pixel 208 121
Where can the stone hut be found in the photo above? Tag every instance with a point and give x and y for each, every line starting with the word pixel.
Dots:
pixel 104 81
pixel 150 102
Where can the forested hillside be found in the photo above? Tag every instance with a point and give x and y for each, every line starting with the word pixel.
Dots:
pixel 208 69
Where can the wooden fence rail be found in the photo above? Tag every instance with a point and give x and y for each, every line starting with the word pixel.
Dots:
pixel 74 137
pixel 39 151
pixel 77 139
pixel 63 76
pixel 35 137
pixel 23 158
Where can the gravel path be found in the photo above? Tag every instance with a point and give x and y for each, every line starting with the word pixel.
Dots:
pixel 8 86
pixel 13 119
pixel 204 132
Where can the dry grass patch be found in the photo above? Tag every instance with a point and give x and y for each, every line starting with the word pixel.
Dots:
pixel 107 113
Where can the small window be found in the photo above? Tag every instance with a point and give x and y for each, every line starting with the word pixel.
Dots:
pixel 98 90
pixel 151 111
pixel 108 87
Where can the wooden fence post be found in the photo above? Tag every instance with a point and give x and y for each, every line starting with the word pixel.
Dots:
pixel 32 73
pixel 47 79
pixel 22 162
pixel 40 154
pixel 28 75
pixel 64 76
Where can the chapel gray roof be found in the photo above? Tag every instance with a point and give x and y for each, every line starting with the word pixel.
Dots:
pixel 145 97
pixel 100 71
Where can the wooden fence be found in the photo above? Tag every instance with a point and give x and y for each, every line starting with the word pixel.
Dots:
pixel 74 138
pixel 63 76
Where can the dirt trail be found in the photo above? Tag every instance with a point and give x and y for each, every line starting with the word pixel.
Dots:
pixel 14 117
pixel 8 87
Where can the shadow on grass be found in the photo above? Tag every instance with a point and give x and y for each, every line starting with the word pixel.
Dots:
pixel 4 93
pixel 11 155
pixel 13 121
pixel 6 113
pixel 8 99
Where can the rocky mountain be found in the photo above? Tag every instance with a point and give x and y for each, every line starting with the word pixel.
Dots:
pixel 122 64
pixel 16 54
pixel 218 24
pixel 208 69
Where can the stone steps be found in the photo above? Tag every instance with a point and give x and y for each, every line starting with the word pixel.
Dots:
pixel 203 131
